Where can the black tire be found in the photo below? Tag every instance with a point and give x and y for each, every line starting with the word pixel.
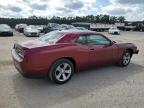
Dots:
pixel 11 34
pixel 123 62
pixel 53 71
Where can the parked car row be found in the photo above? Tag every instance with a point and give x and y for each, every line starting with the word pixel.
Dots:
pixel 29 30
pixel 55 26
pixel 35 30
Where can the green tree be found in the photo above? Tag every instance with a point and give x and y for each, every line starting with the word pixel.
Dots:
pixel 113 19
pixel 121 19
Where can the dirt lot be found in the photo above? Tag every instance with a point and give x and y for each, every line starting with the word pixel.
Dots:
pixel 105 87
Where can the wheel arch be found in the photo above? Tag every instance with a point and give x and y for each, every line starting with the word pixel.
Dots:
pixel 71 60
pixel 68 58
pixel 131 50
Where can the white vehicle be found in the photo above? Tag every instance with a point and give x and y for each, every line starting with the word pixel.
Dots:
pixel 20 27
pixel 16 27
pixel 40 28
pixel 114 30
pixel 31 31
pixel 5 30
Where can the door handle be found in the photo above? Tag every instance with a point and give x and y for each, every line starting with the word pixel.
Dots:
pixel 92 49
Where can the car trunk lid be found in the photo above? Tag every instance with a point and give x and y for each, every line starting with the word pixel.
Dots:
pixel 34 44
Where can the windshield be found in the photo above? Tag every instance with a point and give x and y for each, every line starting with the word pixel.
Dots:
pixel 51 37
pixel 114 28
pixel 30 27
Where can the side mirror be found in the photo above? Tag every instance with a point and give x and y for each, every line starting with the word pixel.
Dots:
pixel 114 41
pixel 111 43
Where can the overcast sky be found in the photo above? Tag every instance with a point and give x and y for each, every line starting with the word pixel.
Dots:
pixel 132 9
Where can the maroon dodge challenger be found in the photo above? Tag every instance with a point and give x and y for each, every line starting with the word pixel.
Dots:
pixel 59 54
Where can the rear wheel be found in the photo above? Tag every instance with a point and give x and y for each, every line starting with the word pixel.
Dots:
pixel 61 71
pixel 125 59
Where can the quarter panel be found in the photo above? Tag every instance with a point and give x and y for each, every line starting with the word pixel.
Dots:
pixel 44 57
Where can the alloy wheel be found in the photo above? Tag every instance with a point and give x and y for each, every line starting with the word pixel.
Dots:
pixel 63 72
pixel 126 58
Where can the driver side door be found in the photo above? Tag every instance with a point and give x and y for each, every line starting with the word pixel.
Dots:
pixel 102 51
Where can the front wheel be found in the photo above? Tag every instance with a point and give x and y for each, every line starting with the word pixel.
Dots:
pixel 61 71
pixel 125 59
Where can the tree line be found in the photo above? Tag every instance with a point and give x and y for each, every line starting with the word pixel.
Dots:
pixel 34 20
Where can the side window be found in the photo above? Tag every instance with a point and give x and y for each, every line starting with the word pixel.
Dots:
pixel 82 40
pixel 97 40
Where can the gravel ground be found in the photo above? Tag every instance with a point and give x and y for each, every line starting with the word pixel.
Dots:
pixel 105 87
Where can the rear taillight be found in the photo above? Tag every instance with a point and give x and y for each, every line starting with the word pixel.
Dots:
pixel 20 51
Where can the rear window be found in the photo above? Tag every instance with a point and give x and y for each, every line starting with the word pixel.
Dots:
pixel 51 37
pixel 82 40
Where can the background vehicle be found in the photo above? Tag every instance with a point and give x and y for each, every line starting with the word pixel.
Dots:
pixel 31 31
pixel 5 30
pixel 52 27
pixel 16 27
pixel 64 26
pixel 100 27
pixel 20 27
pixel 114 30
pixel 140 26
pixel 59 54
pixel 67 27
pixel 81 28
pixel 40 28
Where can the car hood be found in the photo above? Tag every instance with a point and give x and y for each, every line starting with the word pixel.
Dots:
pixel 5 30
pixel 122 42
pixel 34 44
pixel 114 30
pixel 32 30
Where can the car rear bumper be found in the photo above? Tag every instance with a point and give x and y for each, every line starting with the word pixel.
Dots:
pixel 6 33
pixel 26 70
pixel 136 51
